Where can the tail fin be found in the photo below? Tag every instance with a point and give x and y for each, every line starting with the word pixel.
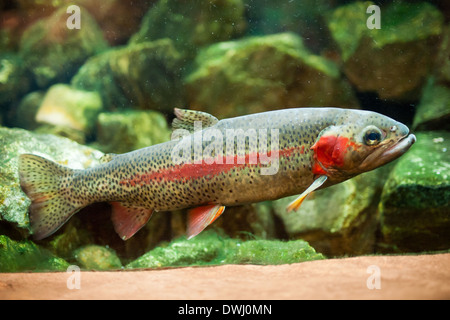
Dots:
pixel 44 183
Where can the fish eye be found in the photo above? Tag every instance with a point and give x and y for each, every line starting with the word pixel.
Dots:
pixel 372 136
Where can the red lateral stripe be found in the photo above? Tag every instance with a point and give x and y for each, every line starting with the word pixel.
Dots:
pixel 190 171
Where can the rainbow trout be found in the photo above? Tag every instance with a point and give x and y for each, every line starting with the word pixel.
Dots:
pixel 211 164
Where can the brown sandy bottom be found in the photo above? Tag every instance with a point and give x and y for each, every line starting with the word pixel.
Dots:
pixel 400 277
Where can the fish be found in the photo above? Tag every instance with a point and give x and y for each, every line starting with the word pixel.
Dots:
pixel 210 164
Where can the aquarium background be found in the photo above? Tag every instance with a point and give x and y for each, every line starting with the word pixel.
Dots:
pixel 74 92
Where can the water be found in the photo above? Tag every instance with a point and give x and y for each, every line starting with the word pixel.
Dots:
pixel 108 75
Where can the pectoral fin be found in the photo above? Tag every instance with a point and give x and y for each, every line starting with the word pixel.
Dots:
pixel 294 205
pixel 128 219
pixel 201 217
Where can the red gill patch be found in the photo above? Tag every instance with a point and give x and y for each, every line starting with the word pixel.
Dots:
pixel 330 151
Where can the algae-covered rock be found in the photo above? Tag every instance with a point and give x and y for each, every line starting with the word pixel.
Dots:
pixel 272 252
pixel 141 76
pixel 13 78
pixel 395 59
pixel 208 248
pixel 202 249
pixel 433 112
pixel 118 19
pixel 302 17
pixel 24 113
pixel 415 204
pixel 261 73
pixel 192 25
pixel 254 219
pixel 121 132
pixel 340 219
pixel 97 257
pixel 13 142
pixel 53 52
pixel 442 65
pixel 65 106
pixel 19 256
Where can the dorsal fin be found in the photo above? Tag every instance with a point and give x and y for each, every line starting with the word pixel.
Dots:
pixel 185 119
pixel 107 157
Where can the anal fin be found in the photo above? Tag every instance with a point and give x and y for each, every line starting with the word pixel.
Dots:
pixel 295 205
pixel 128 219
pixel 201 217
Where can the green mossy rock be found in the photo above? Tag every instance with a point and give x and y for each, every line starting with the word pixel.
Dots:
pixel 257 74
pixel 192 25
pixel 415 204
pixel 95 257
pixel 302 17
pixel 394 60
pixel 24 113
pixel 254 219
pixel 53 52
pixel 20 256
pixel 442 65
pixel 141 76
pixel 14 80
pixel 433 112
pixel 120 132
pixel 208 248
pixel 13 142
pixel 71 108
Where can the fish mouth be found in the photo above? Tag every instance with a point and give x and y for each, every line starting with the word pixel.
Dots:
pixel 399 148
pixel 378 159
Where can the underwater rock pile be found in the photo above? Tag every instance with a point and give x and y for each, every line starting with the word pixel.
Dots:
pixel 111 86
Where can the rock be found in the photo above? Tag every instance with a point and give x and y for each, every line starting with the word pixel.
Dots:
pixel 22 256
pixel 70 108
pixel 339 220
pixel 433 111
pixel 262 73
pixel 120 132
pixel 301 17
pixel 62 131
pixel 416 198
pixel 200 250
pixel 442 66
pixel 13 202
pixel 394 60
pixel 14 80
pixel 119 19
pixel 96 257
pixel 254 220
pixel 53 53
pixel 24 114
pixel 273 252
pixel 208 248
pixel 141 76
pixel 192 26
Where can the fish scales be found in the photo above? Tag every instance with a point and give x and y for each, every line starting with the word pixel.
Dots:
pixel 149 177
pixel 315 147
